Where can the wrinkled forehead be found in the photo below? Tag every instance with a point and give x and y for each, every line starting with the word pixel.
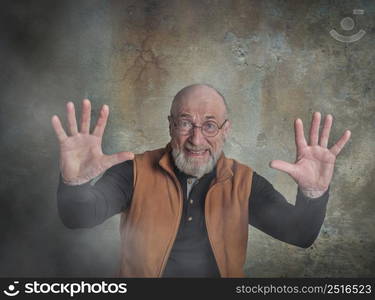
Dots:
pixel 199 103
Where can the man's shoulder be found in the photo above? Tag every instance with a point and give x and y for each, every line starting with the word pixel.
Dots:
pixel 150 154
pixel 235 163
pixel 229 167
pixel 152 158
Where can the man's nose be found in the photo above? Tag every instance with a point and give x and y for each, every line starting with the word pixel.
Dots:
pixel 196 137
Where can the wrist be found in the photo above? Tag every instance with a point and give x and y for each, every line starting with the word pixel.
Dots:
pixel 313 193
pixel 73 182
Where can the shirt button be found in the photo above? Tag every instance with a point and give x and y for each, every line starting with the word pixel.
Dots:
pixel 190 181
pixel 190 218
pixel 191 201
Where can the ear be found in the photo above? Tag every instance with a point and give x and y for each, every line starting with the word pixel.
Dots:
pixel 170 126
pixel 227 129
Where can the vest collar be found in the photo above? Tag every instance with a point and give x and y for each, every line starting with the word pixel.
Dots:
pixel 223 165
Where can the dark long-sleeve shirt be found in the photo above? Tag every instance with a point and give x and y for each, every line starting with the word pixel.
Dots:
pixel 191 256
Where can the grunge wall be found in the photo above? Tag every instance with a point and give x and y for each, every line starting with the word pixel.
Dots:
pixel 273 60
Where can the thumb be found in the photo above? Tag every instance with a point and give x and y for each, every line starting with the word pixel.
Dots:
pixel 117 158
pixel 282 166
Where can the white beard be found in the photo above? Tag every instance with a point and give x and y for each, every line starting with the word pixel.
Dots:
pixel 190 166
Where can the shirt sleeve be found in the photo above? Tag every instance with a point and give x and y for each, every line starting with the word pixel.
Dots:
pixel 87 205
pixel 271 213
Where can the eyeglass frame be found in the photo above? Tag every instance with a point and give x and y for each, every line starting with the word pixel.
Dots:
pixel 195 126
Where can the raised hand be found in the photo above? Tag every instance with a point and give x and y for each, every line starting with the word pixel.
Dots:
pixel 81 156
pixel 314 165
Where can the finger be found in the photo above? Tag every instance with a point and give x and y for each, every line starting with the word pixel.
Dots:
pixel 86 115
pixel 283 166
pixel 72 122
pixel 102 121
pixel 59 130
pixel 117 158
pixel 336 149
pixel 299 135
pixel 326 131
pixel 314 129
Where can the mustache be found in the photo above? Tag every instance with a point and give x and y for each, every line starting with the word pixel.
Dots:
pixel 196 148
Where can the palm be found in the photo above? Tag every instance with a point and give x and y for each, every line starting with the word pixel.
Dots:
pixel 81 156
pixel 313 168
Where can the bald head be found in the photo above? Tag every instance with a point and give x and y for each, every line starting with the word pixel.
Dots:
pixel 202 95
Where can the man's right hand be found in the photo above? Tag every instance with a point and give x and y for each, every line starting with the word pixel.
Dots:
pixel 81 156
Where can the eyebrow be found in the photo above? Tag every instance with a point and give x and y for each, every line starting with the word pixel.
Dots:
pixel 185 115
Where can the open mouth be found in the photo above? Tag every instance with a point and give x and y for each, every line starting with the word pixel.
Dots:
pixel 196 153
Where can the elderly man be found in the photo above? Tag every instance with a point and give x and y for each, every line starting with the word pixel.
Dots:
pixel 186 208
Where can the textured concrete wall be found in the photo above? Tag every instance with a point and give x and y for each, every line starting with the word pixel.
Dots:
pixel 273 60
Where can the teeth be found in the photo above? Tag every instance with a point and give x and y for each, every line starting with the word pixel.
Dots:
pixel 197 152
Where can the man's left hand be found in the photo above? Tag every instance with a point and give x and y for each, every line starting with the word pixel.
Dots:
pixel 315 163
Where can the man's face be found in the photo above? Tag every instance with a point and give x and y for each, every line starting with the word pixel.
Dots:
pixel 196 154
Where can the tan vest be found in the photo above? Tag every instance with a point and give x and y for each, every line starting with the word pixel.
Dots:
pixel 149 227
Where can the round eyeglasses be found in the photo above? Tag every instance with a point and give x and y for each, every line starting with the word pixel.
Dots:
pixel 208 128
